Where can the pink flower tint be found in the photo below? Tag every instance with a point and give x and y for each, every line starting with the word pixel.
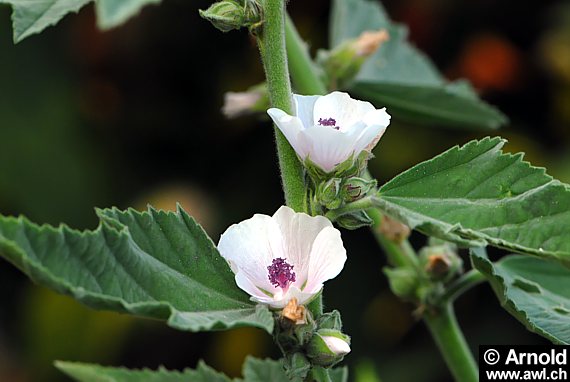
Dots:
pixel 289 254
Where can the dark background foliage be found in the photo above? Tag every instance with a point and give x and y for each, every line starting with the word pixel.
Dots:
pixel 131 116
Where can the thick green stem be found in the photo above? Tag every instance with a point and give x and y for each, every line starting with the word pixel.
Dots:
pixel 303 71
pixel 274 56
pixel 451 342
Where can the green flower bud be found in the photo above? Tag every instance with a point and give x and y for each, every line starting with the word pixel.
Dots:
pixel 328 347
pixel 328 193
pixel 330 320
pixel 226 15
pixel 357 188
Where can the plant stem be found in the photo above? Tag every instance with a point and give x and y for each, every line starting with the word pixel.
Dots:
pixel 451 342
pixel 398 254
pixel 274 56
pixel 462 284
pixel 303 71
pixel 319 374
pixel 362 204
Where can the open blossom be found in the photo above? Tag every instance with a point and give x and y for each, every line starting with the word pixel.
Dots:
pixel 284 256
pixel 329 129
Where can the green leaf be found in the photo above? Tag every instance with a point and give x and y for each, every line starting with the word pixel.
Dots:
pixel 30 17
pixel 536 292
pixel 254 370
pixel 402 78
pixel 112 13
pixel 258 370
pixel 476 194
pixel 153 264
pixel 82 372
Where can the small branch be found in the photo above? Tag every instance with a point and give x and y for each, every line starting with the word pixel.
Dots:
pixel 362 204
pixel 462 285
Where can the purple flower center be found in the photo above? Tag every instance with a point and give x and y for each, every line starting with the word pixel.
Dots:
pixel 331 122
pixel 280 273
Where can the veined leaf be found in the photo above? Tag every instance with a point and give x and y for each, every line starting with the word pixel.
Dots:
pixel 402 78
pixel 83 372
pixel 477 195
pixel 254 370
pixel 535 291
pixel 30 17
pixel 153 264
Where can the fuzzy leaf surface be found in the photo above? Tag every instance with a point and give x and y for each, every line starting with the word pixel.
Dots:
pixel 152 264
pixel 535 291
pixel 477 195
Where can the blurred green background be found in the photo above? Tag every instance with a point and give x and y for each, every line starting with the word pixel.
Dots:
pixel 132 116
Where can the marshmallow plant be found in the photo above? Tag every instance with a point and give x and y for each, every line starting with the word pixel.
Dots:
pixel 269 272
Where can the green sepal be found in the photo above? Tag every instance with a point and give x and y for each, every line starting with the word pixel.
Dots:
pixel 297 366
pixel 353 166
pixel 330 320
pixel 354 220
pixel 328 193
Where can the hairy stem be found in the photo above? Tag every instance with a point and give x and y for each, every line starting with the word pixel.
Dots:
pixel 274 56
pixel 451 342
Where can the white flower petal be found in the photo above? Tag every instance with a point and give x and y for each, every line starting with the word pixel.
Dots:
pixel 290 127
pixel 326 260
pixel 337 345
pixel 251 247
pixel 343 109
pixel 304 106
pixel 300 230
pixel 326 146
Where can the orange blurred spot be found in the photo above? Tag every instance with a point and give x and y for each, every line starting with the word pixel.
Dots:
pixel 490 62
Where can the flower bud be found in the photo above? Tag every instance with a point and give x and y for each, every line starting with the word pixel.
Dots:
pixel 357 188
pixel 343 63
pixel 441 262
pixel 328 193
pixel 254 100
pixel 330 320
pixel 328 347
pixel 225 15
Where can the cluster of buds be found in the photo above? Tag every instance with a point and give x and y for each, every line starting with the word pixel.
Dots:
pixel 438 264
pixel 312 343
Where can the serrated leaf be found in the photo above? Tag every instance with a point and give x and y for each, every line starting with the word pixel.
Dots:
pixel 535 291
pixel 254 370
pixel 153 264
pixel 263 370
pixel 83 372
pixel 30 17
pixel 402 78
pixel 476 194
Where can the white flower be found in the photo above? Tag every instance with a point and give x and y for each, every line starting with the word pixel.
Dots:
pixel 284 256
pixel 329 129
